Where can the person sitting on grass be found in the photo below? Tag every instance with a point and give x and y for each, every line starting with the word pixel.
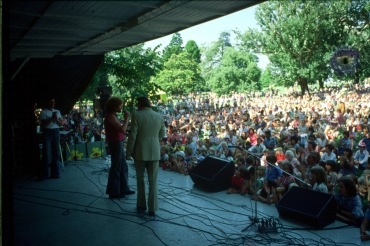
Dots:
pixel 164 162
pixel 273 176
pixel 364 182
pixel 178 146
pixel 329 154
pixel 203 154
pixel 253 184
pixel 180 164
pixel 349 203
pixel 279 154
pixel 346 165
pixel 319 179
pixel 331 175
pixel 237 181
pixel 361 156
pixel 240 161
pixel 266 152
pixel 190 159
pixel 364 236
pixel 172 162
pixel 285 181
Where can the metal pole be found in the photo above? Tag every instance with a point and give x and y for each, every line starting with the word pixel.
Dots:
pixel 20 67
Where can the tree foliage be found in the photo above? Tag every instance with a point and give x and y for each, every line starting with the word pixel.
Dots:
pixel 213 54
pixel 358 36
pixel 193 50
pixel 300 36
pixel 238 72
pixel 130 71
pixel 267 77
pixel 173 48
pixel 180 75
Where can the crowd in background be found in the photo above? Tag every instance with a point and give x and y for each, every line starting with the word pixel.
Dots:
pixel 321 139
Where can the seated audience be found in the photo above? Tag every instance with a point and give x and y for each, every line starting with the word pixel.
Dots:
pixel 349 203
pixel 273 176
pixel 361 156
pixel 331 175
pixel 364 236
pixel 237 181
pixel 329 154
pixel 253 184
pixel 286 180
pixel 279 154
pixel 319 179
pixel 346 165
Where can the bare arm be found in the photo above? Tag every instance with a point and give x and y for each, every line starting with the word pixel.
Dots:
pixel 116 124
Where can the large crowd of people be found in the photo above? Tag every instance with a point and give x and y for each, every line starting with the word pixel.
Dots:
pixel 319 141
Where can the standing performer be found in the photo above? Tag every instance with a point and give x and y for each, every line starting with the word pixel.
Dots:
pixel 115 133
pixel 147 128
pixel 51 121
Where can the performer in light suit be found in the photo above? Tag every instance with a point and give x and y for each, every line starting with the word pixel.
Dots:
pixel 147 128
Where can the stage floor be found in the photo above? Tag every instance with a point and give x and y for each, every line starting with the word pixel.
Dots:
pixel 74 210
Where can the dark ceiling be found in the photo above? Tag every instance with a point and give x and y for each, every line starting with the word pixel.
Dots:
pixel 56 46
pixel 44 29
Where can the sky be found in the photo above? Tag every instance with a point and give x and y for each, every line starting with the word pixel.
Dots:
pixel 209 31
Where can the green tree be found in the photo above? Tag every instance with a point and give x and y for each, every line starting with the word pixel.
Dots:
pixel 266 77
pixel 180 75
pixel 130 71
pixel 238 72
pixel 358 27
pixel 193 50
pixel 298 37
pixel 212 55
pixel 173 48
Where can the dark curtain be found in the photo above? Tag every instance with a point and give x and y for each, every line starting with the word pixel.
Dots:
pixel 64 78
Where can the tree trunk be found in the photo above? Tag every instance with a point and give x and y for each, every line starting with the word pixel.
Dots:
pixel 321 84
pixel 304 86
pixel 357 78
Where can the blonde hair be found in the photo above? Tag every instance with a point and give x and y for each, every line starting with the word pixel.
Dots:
pixel 294 152
pixel 279 149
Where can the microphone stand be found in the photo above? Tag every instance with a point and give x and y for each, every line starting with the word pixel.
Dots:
pixel 101 142
pixel 254 219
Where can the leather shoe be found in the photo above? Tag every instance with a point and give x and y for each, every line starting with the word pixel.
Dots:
pixel 130 192
pixel 116 196
pixel 55 177
pixel 150 213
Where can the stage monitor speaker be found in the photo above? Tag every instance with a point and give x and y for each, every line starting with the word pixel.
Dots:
pixel 310 207
pixel 213 173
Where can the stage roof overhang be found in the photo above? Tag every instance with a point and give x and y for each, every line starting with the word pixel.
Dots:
pixel 57 37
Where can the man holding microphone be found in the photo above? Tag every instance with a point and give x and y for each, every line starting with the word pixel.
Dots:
pixel 51 121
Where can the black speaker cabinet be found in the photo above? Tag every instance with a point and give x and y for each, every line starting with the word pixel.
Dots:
pixel 213 173
pixel 310 207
